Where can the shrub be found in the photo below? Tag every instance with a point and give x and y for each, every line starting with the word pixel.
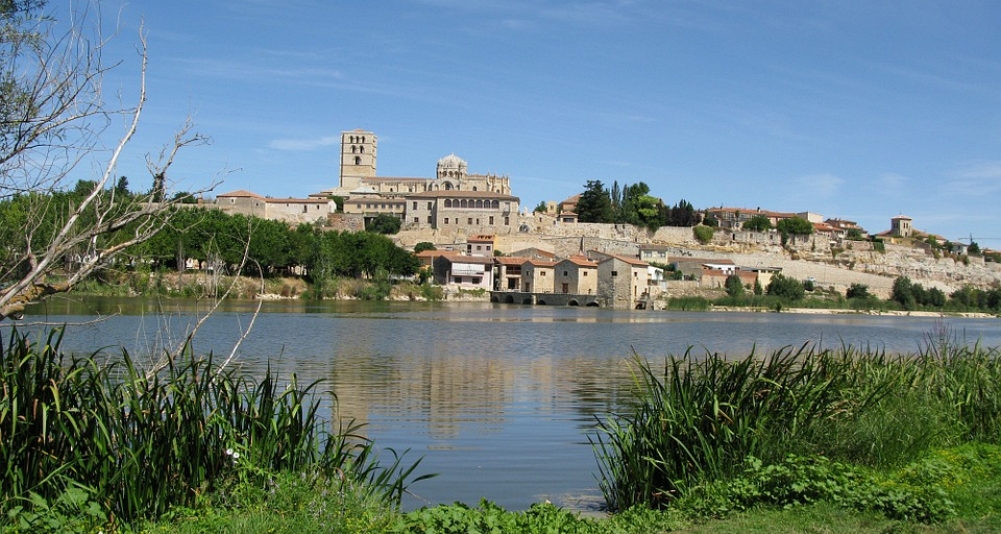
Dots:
pixel 703 233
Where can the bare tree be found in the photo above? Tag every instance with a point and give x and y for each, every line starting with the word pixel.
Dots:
pixel 55 121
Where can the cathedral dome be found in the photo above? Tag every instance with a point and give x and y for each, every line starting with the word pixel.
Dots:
pixel 452 161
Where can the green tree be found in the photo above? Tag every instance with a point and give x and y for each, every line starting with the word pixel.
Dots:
pixel 54 118
pixel 734 287
pixel 785 287
pixel 541 207
pixel 857 291
pixel 973 249
pixel 795 226
pixel 424 245
pixel 854 234
pixel 758 223
pixel 594 205
pixel 903 293
pixel 384 224
pixel 703 233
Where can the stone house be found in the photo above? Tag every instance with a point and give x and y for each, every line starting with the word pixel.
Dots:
pixel 480 245
pixel 464 272
pixel 474 210
pixel 508 272
pixel 537 276
pixel 576 275
pixel 289 210
pixel 622 280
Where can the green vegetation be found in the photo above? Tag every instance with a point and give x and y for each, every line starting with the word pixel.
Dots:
pixel 631 204
pixel 703 233
pixel 758 223
pixel 794 226
pixel 87 443
pixel 424 245
pixel 911 437
pixel 384 224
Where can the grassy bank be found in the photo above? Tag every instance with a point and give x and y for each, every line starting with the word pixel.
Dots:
pixel 797 440
pixel 862 430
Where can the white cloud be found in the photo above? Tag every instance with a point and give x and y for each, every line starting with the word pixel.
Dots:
pixel 301 145
pixel 977 179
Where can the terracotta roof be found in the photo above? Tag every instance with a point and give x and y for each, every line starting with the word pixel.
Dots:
pixel 540 263
pixel 241 193
pixel 483 260
pixel 632 261
pixel 580 261
pixel 510 260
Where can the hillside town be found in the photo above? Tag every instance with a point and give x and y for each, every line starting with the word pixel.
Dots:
pixel 484 240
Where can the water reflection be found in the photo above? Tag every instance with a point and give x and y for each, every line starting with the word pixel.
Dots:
pixel 499 399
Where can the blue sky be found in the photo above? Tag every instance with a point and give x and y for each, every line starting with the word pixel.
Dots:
pixel 853 109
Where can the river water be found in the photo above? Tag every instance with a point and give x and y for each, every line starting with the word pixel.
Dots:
pixel 499 400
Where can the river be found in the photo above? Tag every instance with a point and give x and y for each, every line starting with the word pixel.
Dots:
pixel 499 400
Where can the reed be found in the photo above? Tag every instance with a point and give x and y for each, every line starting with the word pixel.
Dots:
pixel 140 443
pixel 699 418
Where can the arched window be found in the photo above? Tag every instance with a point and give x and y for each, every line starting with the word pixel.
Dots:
pixel 479 204
pixel 361 149
pixel 464 205
pixel 496 204
pixel 354 149
pixel 448 203
pixel 474 188
pixel 357 160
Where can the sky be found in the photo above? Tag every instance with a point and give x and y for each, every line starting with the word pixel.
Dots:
pixel 857 110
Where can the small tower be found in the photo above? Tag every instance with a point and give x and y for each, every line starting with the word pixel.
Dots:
pixel 900 226
pixel 358 157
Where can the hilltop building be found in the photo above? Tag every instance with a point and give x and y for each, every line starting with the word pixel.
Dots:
pixel 453 197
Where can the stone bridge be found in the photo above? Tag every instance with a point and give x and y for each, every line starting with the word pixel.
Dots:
pixel 546 299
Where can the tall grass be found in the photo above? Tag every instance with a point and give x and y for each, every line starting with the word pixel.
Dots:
pixel 141 443
pixel 699 418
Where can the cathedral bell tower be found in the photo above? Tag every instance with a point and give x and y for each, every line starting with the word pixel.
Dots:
pixel 358 157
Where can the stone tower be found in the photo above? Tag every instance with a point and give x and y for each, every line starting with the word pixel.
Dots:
pixel 358 157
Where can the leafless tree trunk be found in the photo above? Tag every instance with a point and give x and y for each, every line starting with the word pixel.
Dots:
pixel 54 118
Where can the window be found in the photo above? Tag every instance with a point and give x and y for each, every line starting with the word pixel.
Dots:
pixel 458 279
pixel 585 273
pixel 542 273
pixel 470 221
pixel 491 220
pixel 429 219
pixel 477 280
pixel 417 219
pixel 429 206
pixel 479 247
pixel 565 273
pixel 415 205
pixel 359 206
pixel 507 221
pixel 615 273
pixel 446 220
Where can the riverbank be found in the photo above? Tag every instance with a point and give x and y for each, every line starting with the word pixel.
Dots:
pixel 841 311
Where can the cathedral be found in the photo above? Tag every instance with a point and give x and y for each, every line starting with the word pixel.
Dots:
pixel 359 157
pixel 453 198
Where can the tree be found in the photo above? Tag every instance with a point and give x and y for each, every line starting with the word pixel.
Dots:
pixel 854 234
pixel 594 204
pixel 903 293
pixel 785 287
pixel 857 291
pixel 53 117
pixel 734 287
pixel 424 245
pixel 541 207
pixel 973 249
pixel 384 224
pixel 795 226
pixel 758 223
